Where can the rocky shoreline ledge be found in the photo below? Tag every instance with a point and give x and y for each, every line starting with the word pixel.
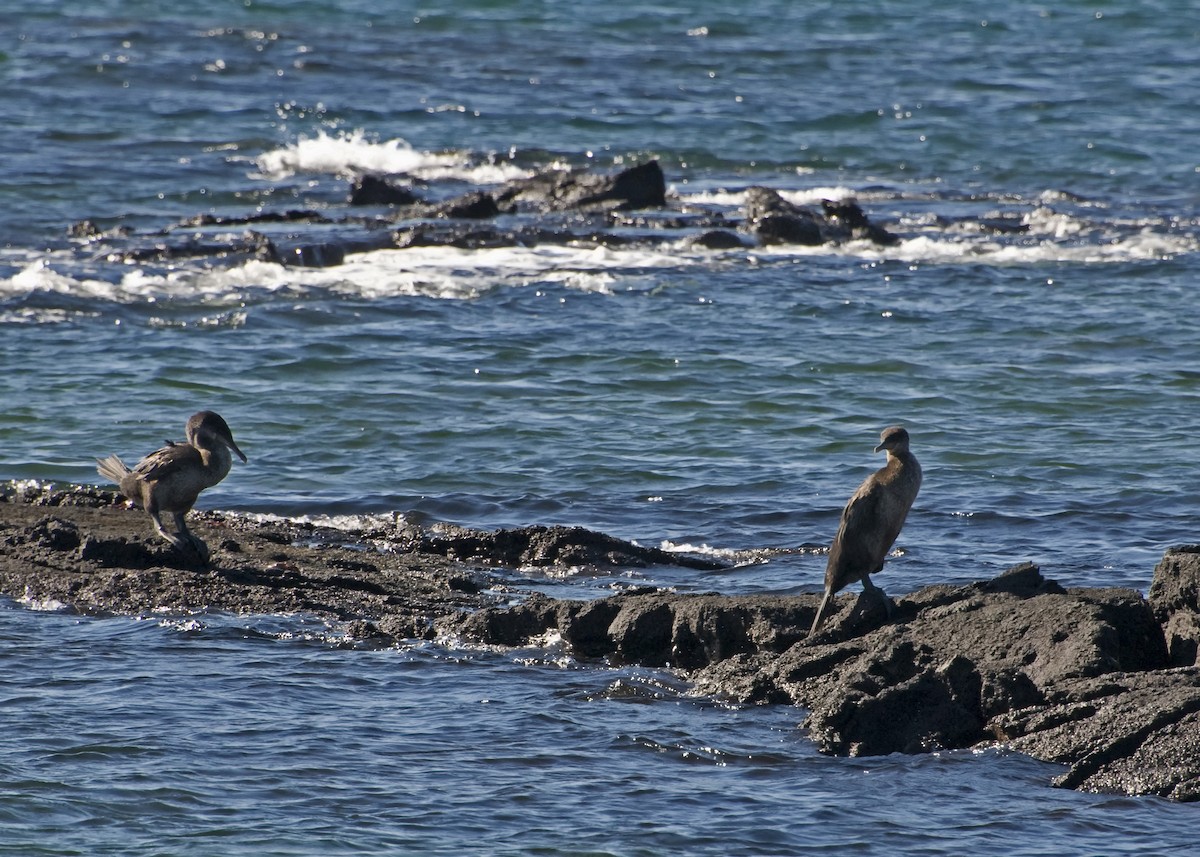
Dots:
pixel 1104 681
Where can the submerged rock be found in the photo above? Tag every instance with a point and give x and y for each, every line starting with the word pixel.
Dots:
pixel 629 207
pixel 771 219
pixel 376 190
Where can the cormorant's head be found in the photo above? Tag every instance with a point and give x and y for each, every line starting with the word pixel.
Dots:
pixel 893 439
pixel 211 425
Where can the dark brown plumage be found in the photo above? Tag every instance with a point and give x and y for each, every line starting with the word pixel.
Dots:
pixel 872 520
pixel 171 478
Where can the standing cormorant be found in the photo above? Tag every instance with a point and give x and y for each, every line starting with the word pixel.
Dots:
pixel 872 520
pixel 170 479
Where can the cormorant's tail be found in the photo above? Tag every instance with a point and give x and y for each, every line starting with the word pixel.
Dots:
pixel 112 469
pixel 821 611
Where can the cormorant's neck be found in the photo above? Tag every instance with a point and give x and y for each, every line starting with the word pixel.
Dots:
pixel 216 457
pixel 897 457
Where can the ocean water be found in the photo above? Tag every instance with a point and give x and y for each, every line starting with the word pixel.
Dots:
pixel 717 401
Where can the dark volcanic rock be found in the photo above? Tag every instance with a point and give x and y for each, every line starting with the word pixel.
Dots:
pixel 541 545
pixel 643 186
pixel 960 662
pixel 851 217
pixel 1074 676
pixel 1080 677
pixel 774 220
pixel 717 239
pixel 1175 597
pixel 258 217
pixel 231 250
pixel 563 207
pixel 901 700
pixel 324 255
pixel 376 190
pixel 89 550
pixel 654 629
pixel 961 656
pixel 585 198
pixel 468 236
pixel 1121 733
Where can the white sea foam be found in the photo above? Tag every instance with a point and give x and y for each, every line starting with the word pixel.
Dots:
pixel 443 272
pixel 1046 221
pixel 805 196
pixel 42 605
pixel 138 286
pixel 345 523
pixel 1052 241
pixel 814 195
pixel 448 272
pixel 460 274
pixel 699 550
pixel 723 198
pixel 49 315
pixel 353 153
pixel 1143 245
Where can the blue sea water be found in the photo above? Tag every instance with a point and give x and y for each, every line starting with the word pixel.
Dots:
pixel 724 401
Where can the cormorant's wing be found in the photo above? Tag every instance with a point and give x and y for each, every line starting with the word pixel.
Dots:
pixel 856 546
pixel 164 462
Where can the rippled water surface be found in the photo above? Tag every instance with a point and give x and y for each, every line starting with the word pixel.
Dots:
pixel 262 736
pixel 1032 328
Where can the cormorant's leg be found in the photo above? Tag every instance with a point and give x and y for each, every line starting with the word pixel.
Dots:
pixel 821 611
pixel 877 592
pixel 197 544
pixel 177 542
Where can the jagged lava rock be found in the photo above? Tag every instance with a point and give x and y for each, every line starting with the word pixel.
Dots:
pixel 376 190
pixel 1080 677
pixel 1121 733
pixel 641 186
pixel 959 656
pixel 550 545
pixel 771 219
pixel 1175 597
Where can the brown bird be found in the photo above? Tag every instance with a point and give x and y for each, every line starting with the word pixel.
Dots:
pixel 872 520
pixel 170 479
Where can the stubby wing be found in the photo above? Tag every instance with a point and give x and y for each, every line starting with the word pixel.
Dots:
pixel 164 462
pixel 855 548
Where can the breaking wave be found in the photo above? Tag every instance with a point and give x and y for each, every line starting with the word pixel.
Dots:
pixel 354 153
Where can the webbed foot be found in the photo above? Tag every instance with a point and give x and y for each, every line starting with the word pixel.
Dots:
pixel 200 549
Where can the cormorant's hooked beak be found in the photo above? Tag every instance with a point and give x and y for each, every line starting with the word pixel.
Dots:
pixel 229 443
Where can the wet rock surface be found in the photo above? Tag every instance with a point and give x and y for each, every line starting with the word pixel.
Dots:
pixel 629 207
pixel 1082 677
pixel 1102 681
pixel 88 550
